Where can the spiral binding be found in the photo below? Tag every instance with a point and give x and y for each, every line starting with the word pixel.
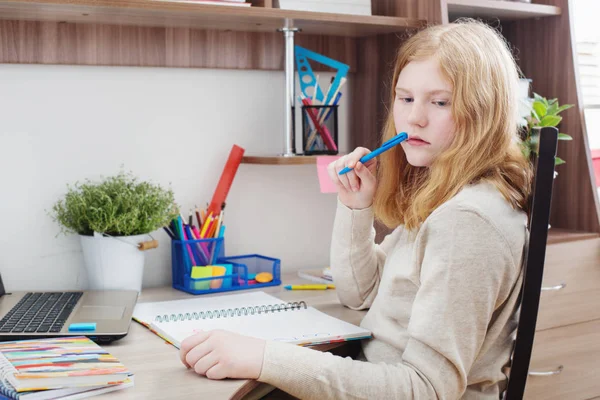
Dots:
pixel 6 369
pixel 232 312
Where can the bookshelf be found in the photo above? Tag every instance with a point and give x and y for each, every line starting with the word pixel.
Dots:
pixel 147 15
pixel 172 14
pixel 173 34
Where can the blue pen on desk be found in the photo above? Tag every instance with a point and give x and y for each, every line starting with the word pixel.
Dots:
pixel 399 138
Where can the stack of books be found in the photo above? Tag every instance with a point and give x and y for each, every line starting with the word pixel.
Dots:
pixel 317 275
pixel 65 368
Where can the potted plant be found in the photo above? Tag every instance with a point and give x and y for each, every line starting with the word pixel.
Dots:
pixel 113 218
pixel 543 112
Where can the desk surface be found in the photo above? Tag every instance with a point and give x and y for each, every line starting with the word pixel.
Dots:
pixel 155 363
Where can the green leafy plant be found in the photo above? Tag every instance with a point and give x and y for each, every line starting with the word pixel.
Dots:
pixel 544 113
pixel 117 205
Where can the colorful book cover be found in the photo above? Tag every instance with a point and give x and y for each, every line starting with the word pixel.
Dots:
pixel 60 362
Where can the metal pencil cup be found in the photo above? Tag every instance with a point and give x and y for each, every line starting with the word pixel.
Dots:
pixel 320 130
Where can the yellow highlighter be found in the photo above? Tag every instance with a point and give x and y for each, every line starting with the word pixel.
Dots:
pixel 309 287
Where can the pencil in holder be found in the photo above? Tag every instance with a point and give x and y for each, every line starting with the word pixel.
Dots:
pixel 320 129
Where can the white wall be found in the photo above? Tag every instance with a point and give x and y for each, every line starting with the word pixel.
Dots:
pixel 60 124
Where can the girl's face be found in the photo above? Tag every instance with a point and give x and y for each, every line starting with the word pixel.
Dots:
pixel 422 109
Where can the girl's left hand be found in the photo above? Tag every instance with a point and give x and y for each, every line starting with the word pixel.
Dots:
pixel 220 354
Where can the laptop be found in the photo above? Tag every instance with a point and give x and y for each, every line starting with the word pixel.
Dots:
pixel 103 316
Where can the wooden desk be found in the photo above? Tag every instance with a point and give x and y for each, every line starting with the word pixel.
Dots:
pixel 160 374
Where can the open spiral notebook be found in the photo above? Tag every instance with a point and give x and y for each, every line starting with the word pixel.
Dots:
pixel 253 314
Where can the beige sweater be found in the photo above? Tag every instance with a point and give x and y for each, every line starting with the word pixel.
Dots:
pixel 441 306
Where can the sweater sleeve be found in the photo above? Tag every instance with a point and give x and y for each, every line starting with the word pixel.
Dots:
pixel 466 270
pixel 356 261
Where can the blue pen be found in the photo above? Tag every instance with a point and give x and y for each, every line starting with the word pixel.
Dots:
pixel 399 138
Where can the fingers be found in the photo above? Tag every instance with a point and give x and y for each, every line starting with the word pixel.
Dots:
pixel 205 363
pixel 349 181
pixel 371 165
pixel 197 353
pixel 217 371
pixel 367 178
pixel 190 343
pixel 355 156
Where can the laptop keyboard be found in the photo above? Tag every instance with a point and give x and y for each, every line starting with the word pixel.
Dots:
pixel 40 312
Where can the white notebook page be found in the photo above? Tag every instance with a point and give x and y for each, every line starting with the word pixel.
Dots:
pixel 303 326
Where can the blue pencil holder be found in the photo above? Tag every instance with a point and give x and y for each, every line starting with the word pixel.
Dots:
pixel 200 267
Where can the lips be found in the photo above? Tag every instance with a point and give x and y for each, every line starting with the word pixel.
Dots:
pixel 415 140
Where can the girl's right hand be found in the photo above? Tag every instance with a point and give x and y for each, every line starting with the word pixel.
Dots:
pixel 356 188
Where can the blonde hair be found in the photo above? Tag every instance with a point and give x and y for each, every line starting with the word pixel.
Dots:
pixel 478 64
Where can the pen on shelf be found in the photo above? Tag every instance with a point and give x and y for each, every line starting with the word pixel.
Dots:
pixel 399 138
pixel 309 287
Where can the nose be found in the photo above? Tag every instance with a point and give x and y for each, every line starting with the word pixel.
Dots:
pixel 417 115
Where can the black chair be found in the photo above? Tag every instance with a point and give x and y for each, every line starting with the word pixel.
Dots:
pixel 533 264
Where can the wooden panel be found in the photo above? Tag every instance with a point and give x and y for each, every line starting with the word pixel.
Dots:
pixel 577 349
pixel 494 9
pixel 428 10
pixel 562 236
pixel 194 15
pixel 577 265
pixel 549 62
pixel 95 44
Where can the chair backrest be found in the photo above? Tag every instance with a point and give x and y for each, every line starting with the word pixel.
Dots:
pixel 533 262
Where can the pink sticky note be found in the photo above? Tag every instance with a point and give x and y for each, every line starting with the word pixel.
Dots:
pixel 327 186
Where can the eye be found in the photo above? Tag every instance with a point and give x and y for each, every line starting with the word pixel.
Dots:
pixel 407 99
pixel 441 103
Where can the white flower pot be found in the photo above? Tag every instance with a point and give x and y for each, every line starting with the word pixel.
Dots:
pixel 113 263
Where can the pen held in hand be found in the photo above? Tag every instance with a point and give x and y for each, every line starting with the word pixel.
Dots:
pixel 399 138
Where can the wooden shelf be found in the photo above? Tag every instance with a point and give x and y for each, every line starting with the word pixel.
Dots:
pixel 279 160
pixel 562 236
pixel 190 15
pixel 499 9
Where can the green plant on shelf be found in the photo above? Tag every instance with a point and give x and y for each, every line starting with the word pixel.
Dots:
pixel 543 113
